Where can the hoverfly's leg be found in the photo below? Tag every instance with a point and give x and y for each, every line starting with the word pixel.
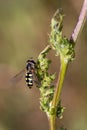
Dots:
pixel 37 83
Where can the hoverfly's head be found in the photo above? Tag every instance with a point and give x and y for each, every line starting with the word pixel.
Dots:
pixel 30 65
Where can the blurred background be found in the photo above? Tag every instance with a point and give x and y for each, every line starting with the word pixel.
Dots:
pixel 24 29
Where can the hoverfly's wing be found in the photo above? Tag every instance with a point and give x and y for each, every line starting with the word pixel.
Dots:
pixel 18 76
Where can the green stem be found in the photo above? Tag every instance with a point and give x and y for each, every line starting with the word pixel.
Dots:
pixel 52 122
pixel 63 68
pixel 56 98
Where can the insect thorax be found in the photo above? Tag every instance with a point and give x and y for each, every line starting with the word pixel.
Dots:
pixel 30 65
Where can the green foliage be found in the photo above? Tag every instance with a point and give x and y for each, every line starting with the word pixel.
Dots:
pixel 45 85
pixel 65 49
pixel 62 46
pixel 60 110
pixel 49 94
pixel 45 80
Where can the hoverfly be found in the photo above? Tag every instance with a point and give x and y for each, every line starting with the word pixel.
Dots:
pixel 29 72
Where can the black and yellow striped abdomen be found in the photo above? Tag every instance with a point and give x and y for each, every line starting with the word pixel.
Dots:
pixel 29 79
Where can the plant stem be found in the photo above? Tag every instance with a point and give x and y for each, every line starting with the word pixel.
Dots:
pixel 59 85
pixel 56 98
pixel 64 65
pixel 52 122
pixel 80 23
pixel 46 49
